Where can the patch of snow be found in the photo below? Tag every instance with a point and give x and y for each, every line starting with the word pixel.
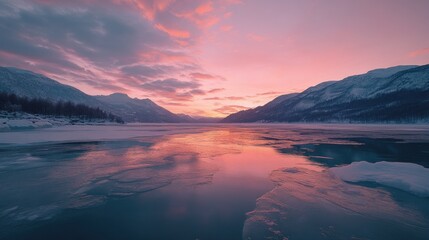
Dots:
pixel 20 123
pixel 409 177
pixel 10 121
pixel 43 124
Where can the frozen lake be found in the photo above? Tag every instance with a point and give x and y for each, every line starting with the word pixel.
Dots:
pixel 243 181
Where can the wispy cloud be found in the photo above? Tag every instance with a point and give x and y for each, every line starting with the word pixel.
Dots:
pixel 216 90
pixel 173 89
pixel 229 109
pixel 201 76
pixel 419 52
pixel 103 46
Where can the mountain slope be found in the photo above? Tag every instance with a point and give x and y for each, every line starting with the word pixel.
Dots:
pixel 137 110
pixel 32 85
pixel 256 114
pixel 398 94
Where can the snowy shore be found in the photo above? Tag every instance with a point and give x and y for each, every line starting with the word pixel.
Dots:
pixel 23 121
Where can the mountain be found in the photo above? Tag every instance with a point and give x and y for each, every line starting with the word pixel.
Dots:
pixel 396 94
pixel 256 114
pixel 137 110
pixel 32 85
pixel 198 119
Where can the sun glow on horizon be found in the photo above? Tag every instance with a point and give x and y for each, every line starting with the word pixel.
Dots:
pixel 210 57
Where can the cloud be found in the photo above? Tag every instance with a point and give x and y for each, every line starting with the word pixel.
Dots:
pixel 201 76
pixel 147 71
pixel 169 85
pixel 256 98
pixel 138 47
pixel 204 8
pixel 149 8
pixel 229 109
pixel 215 90
pixel 213 98
pixel 233 98
pixel 178 33
pixel 197 92
pixel 419 52
pixel 226 28
pixel 256 37
pixel 174 89
pixel 269 93
pixel 86 45
pixel 170 103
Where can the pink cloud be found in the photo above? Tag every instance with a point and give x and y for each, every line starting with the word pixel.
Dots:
pixel 256 37
pixel 177 33
pixel 419 52
pixel 215 90
pixel 213 98
pixel 165 56
pixel 226 28
pixel 269 93
pixel 204 8
pixel 228 109
pixel 149 8
pixel 201 76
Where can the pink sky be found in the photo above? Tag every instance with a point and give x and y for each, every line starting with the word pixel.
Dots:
pixel 214 57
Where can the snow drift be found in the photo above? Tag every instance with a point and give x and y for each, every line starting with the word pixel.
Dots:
pixel 409 177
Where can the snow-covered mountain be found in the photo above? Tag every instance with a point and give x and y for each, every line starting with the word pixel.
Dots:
pixel 395 94
pixel 137 110
pixel 32 85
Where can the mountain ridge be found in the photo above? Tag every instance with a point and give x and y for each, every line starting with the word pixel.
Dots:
pixel 357 98
pixel 34 85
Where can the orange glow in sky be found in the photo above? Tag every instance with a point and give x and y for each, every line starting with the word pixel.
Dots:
pixel 210 57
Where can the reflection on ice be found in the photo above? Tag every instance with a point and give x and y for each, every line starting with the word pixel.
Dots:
pixel 71 179
pixel 206 179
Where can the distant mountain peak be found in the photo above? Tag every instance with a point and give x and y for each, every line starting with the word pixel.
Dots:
pixel 119 95
pixel 33 85
pixel 18 70
pixel 125 97
pixel 387 72
pixel 395 94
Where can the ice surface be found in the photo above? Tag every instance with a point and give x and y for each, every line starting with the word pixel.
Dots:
pixel 307 204
pixel 80 175
pixel 12 121
pixel 89 133
pixel 38 213
pixel 315 133
pixel 409 177
pixel 46 174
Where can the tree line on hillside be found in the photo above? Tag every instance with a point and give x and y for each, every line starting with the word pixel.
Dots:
pixel 12 103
